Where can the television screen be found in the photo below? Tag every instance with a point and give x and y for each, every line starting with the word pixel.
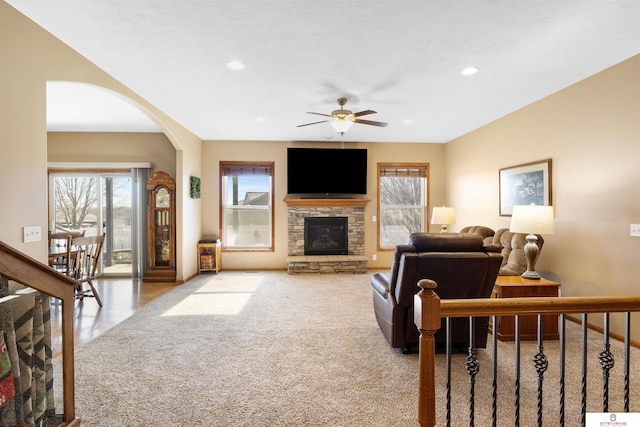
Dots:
pixel 326 171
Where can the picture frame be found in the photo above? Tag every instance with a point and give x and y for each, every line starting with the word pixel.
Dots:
pixel 195 187
pixel 525 184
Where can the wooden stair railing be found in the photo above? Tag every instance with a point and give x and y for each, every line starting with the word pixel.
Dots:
pixel 27 271
pixel 429 310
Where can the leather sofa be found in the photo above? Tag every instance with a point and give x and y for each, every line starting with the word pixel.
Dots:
pixel 461 266
pixel 514 263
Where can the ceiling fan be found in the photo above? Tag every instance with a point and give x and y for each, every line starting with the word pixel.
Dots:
pixel 342 119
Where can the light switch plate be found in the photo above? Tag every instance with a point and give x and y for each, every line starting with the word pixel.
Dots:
pixel 635 230
pixel 32 233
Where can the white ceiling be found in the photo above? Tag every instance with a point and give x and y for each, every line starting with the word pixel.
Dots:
pixel 401 58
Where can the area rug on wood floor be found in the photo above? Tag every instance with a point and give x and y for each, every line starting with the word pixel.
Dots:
pixel 272 349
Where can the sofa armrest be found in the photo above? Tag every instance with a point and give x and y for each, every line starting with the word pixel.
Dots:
pixel 492 247
pixel 381 284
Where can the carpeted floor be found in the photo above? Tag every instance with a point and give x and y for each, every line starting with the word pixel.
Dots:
pixel 267 349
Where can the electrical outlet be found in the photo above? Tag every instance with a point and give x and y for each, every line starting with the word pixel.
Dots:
pixel 374 257
pixel 635 230
pixel 32 234
pixel 374 219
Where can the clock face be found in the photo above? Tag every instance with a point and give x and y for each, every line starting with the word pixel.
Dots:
pixel 162 198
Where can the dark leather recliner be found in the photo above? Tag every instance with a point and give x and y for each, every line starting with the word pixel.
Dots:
pixel 460 265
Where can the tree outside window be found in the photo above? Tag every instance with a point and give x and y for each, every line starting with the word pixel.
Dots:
pixel 402 196
pixel 76 203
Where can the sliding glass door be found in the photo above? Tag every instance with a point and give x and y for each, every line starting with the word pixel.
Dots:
pixel 116 219
pixel 96 203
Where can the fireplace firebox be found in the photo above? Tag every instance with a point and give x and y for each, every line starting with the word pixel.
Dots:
pixel 326 236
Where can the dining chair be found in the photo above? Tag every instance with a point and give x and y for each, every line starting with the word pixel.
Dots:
pixel 88 252
pixel 60 257
pixel 58 239
pixel 60 254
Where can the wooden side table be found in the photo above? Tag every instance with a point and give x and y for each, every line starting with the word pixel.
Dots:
pixel 209 256
pixel 517 287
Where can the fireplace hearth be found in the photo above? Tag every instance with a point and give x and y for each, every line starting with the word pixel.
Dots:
pixel 326 236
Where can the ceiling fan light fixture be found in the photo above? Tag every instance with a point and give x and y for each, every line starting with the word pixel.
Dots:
pixel 342 119
pixel 342 123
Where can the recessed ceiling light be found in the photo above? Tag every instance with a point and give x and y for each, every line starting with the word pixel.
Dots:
pixel 235 65
pixel 469 71
pixel 407 121
pixel 260 119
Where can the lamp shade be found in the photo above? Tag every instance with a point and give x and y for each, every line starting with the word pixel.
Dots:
pixel 532 219
pixel 342 123
pixel 443 215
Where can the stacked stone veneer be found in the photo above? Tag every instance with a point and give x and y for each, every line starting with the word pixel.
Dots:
pixel 354 262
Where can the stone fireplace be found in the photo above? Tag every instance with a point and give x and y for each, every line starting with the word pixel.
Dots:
pixel 349 211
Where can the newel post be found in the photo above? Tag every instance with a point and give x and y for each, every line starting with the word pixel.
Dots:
pixel 427 318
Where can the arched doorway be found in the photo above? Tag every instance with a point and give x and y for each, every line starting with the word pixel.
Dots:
pixel 85 192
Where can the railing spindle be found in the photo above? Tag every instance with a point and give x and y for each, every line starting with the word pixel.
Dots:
pixel 448 343
pixel 473 367
pixel 583 410
pixel 627 354
pixel 494 385
pixel 607 362
pixel 541 364
pixel 517 390
pixel 563 344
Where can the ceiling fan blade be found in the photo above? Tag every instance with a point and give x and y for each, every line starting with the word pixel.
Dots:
pixel 319 114
pixel 371 122
pixel 314 123
pixel 364 113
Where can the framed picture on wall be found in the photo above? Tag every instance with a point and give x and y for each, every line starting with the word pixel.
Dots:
pixel 195 187
pixel 525 184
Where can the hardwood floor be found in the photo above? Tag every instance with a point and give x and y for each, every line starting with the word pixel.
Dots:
pixel 120 297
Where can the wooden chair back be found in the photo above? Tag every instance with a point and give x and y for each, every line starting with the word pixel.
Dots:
pixel 88 255
pixel 89 250
pixel 60 255
pixel 59 239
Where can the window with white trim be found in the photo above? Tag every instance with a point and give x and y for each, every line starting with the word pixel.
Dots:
pixel 402 201
pixel 246 205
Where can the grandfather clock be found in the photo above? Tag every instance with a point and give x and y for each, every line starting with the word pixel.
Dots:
pixel 161 265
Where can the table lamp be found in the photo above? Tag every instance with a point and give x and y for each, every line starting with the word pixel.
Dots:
pixel 532 220
pixel 443 216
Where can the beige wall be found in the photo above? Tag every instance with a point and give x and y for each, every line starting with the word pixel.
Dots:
pixel 29 57
pixel 154 148
pixel 591 131
pixel 215 151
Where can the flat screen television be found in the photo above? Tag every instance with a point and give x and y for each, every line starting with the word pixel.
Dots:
pixel 330 172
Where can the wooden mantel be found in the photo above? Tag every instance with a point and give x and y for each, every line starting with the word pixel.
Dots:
pixel 296 201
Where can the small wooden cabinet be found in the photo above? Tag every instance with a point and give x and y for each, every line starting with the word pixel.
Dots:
pixel 209 256
pixel 517 287
pixel 161 260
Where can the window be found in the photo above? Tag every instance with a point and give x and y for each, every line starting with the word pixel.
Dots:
pixel 247 205
pixel 402 196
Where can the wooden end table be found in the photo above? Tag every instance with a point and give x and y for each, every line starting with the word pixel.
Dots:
pixel 517 287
